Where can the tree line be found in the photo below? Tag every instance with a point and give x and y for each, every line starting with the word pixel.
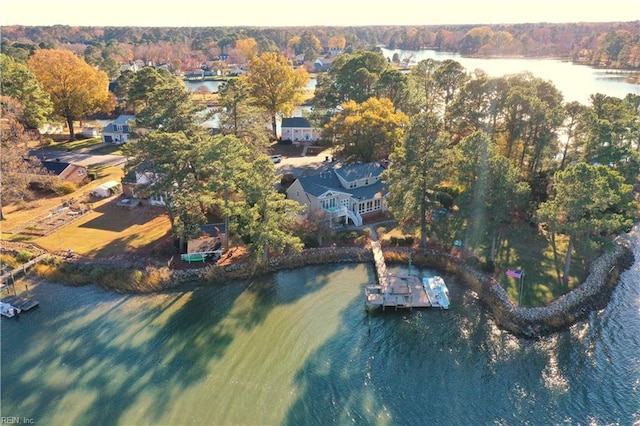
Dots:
pixel 613 45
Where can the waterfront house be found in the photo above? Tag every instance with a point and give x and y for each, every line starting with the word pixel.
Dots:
pixel 342 193
pixel 298 129
pixel 118 131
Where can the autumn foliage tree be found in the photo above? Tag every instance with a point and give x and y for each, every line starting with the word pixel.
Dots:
pixel 247 47
pixel 75 87
pixel 275 85
pixel 367 131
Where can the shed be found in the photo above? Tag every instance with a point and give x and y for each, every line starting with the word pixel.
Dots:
pixel 107 189
pixel 90 132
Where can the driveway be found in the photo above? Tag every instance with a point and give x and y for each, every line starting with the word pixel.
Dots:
pixel 84 159
pixel 303 165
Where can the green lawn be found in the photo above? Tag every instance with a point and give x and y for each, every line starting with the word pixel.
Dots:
pixel 108 149
pixel 75 145
pixel 524 248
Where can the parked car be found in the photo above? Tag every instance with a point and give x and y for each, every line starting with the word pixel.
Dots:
pixel 276 158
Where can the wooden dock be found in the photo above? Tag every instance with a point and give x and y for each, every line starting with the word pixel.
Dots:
pixel 22 303
pixel 8 283
pixel 394 291
pixel 9 277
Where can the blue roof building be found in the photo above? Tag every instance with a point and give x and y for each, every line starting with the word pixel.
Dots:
pixel 341 192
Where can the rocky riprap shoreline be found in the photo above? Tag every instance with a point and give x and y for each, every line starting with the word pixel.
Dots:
pixel 563 312
pixel 529 322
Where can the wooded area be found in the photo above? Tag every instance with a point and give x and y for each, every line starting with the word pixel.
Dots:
pixel 611 45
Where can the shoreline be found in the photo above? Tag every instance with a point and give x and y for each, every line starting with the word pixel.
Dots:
pixel 528 322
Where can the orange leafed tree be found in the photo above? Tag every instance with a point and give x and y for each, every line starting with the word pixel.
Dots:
pixel 248 47
pixel 76 88
pixel 275 86
pixel 337 42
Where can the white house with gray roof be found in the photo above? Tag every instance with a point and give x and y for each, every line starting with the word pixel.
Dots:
pixel 342 192
pixel 298 129
pixel 118 131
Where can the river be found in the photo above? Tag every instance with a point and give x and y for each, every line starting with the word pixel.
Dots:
pixel 576 82
pixel 297 347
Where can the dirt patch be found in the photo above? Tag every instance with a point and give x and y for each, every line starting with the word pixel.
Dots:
pixel 285 150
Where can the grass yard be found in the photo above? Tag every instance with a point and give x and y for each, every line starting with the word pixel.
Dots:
pixel 75 145
pixel 109 231
pixel 105 231
pixel 524 248
pixel 108 149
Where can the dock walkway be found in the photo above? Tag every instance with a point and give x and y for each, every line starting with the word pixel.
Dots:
pixel 8 277
pixel 394 291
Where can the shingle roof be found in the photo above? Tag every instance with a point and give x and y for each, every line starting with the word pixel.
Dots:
pixel 327 180
pixel 213 229
pixel 123 121
pixel 353 172
pixel 56 167
pixel 320 183
pixel 295 122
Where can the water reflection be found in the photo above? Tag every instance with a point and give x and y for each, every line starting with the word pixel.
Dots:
pixel 297 347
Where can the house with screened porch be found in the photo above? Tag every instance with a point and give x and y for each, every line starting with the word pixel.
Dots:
pixel 341 193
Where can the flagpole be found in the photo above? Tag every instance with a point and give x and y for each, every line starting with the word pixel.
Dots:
pixel 521 287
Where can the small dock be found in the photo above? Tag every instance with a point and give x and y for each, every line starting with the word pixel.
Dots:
pixel 22 303
pixel 394 291
pixel 9 276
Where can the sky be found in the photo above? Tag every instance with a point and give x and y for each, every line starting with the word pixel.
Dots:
pixel 211 13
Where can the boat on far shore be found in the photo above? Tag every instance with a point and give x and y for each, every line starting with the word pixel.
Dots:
pixel 8 310
pixel 437 291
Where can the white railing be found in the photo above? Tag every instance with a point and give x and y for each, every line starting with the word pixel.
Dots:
pixel 355 217
pixel 344 211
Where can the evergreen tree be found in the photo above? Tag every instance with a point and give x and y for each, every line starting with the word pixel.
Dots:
pixel 417 167
pixel 585 201
pixel 20 83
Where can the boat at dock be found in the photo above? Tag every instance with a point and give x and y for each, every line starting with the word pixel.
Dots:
pixel 403 291
pixel 23 304
pixel 437 291
pixel 8 310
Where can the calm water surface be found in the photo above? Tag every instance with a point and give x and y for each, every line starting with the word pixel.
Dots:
pixel 576 82
pixel 297 348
